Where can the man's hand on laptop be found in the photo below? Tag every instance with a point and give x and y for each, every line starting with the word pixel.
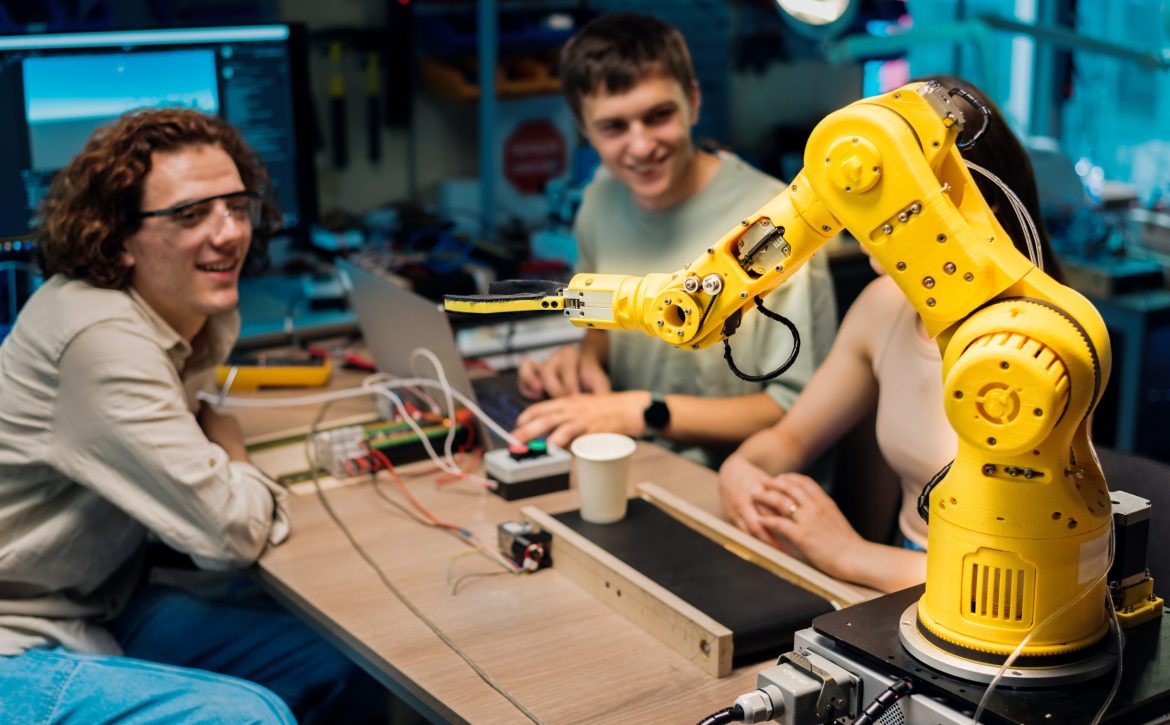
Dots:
pixel 561 420
pixel 564 372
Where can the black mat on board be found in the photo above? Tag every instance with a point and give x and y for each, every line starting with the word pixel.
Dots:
pixel 761 609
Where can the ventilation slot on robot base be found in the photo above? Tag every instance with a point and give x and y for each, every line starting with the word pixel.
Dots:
pixel 999 589
pixel 995 597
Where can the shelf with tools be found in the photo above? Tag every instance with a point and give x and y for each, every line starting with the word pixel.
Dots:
pixel 455 79
pixel 527 41
pixel 503 57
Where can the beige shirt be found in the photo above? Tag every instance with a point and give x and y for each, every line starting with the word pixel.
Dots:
pixel 100 446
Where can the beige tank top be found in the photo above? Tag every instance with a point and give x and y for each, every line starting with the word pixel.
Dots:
pixel 912 429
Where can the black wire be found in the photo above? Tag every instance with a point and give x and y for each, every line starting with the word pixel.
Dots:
pixel 389 585
pixel 884 702
pixel 386 497
pixel 455 534
pixel 783 366
pixel 965 95
pixel 726 715
pixel 710 306
pixel 924 497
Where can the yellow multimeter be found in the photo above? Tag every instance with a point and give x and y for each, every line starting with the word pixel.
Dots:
pixel 274 371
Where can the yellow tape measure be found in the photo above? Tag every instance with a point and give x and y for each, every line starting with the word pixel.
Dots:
pixel 264 371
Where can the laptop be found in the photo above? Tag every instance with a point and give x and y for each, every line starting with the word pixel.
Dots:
pixel 395 321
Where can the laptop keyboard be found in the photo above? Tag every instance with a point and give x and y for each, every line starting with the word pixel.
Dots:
pixel 500 407
pixel 500 399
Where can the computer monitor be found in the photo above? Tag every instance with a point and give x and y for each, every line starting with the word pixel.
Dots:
pixel 62 86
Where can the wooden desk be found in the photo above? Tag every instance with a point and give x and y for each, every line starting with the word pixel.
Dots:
pixel 554 647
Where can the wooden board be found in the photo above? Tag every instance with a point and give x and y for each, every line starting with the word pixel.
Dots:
pixel 686 630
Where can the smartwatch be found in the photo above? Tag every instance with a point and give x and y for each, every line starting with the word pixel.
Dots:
pixel 656 416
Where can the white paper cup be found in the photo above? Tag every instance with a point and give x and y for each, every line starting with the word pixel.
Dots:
pixel 603 469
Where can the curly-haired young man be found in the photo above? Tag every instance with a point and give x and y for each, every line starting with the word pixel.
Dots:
pixel 103 445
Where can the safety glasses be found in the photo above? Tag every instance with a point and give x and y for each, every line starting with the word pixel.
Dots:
pixel 243 206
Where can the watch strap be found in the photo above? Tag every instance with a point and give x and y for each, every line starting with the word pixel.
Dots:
pixel 655 416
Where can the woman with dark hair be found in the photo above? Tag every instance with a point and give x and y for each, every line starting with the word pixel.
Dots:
pixel 1000 151
pixel 884 359
pixel 104 445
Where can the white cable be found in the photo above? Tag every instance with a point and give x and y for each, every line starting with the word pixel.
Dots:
pixel 377 384
pixel 290 402
pixel 377 388
pixel 1027 224
pixel 227 386
pixel 445 464
pixel 406 601
pixel 449 443
pixel 1120 659
pixel 319 398
pixel 1024 643
pixel 470 405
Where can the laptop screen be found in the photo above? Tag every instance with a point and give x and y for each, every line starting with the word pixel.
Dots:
pixel 395 322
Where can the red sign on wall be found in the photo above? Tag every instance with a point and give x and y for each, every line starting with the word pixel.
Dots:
pixel 534 152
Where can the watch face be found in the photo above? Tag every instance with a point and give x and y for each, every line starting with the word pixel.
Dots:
pixel 656 415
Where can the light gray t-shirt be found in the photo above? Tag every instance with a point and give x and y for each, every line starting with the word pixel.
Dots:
pixel 615 236
pixel 99 445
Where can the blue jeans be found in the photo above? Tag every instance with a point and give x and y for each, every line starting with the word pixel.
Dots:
pixel 188 659
pixel 908 544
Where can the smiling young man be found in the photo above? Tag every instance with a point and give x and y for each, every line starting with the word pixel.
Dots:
pixel 103 446
pixel 659 202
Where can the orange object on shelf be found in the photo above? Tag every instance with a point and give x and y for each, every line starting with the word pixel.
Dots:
pixel 521 76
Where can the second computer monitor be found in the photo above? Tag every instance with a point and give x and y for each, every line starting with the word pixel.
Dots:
pixel 62 86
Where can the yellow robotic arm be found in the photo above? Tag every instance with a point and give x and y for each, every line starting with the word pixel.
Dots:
pixel 1019 524
pixel 885 168
pixel 689 307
